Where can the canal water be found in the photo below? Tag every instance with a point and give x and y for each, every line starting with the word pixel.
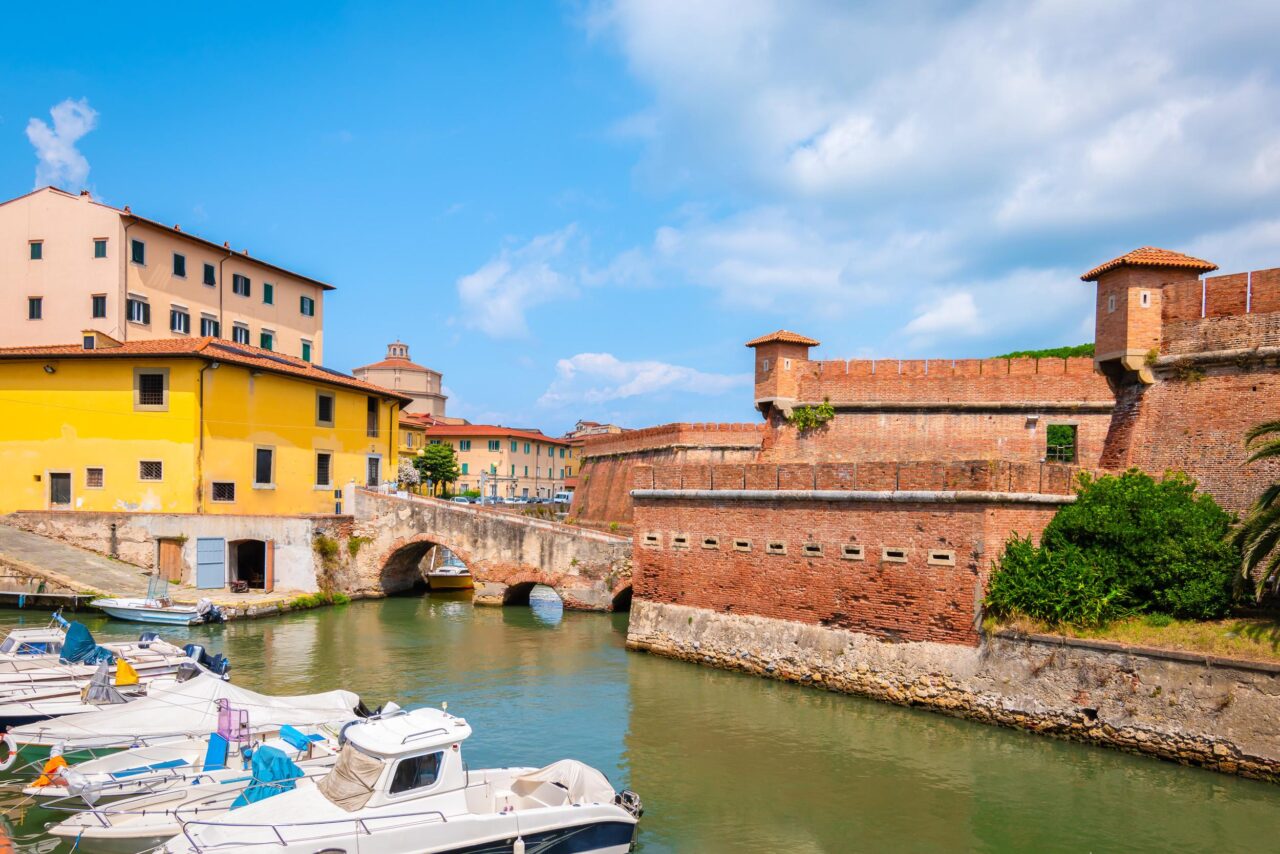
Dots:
pixel 723 761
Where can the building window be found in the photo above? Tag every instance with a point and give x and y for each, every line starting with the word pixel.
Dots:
pixel 764 366
pixel 151 389
pixel 138 311
pixel 210 275
pixel 306 350
pixel 180 265
pixel 372 471
pixel 138 252
pixel 37 249
pixel 268 293
pixel 324 409
pixel 526 471
pixel 98 303
pixel 494 444
pixel 562 453
pixel 526 447
pixel 179 321
pixel 513 469
pixel 851 551
pixel 150 470
pixel 224 491
pixel 209 326
pixel 35 308
pixel 1060 443
pixel 264 465
pixel 100 247
pixel 240 333
pixel 464 444
pixel 568 472
pixel 324 468
pixel 464 470
pixel 266 339
pixel 371 418
pixel 940 557
pixel 742 545
pixel 93 478
pixel 1111 303
pixel 240 285
pixel 1145 299
pixel 775 547
pixel 307 306
pixel 889 555
pixel 515 446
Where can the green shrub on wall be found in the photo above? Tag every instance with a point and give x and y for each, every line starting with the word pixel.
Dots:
pixel 1129 544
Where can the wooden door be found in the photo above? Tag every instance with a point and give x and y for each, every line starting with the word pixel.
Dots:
pixel 171 560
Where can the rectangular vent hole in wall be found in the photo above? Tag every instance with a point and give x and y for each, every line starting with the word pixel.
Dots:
pixel 851 552
pixel 652 540
pixel 895 555
pixel 776 547
pixel 742 545
pixel 680 541
pixel 813 550
pixel 711 542
pixel 941 557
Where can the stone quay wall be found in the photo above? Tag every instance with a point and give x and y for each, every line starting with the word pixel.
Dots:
pixel 1216 713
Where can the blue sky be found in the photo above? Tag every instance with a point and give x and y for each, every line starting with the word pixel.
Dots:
pixel 582 210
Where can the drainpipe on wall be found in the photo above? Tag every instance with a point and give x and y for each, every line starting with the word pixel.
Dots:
pixel 221 327
pixel 123 308
pixel 208 366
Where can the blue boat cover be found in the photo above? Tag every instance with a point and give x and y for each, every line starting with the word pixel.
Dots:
pixel 215 755
pixel 79 647
pixel 273 773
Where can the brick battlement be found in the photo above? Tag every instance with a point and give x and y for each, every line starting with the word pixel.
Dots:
pixel 959 476
pixel 709 435
pixel 1025 381
pixel 1239 311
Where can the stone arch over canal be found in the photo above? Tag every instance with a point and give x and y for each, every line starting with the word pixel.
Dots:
pixel 506 553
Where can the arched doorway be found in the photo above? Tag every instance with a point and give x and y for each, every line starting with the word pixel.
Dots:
pixel 621 600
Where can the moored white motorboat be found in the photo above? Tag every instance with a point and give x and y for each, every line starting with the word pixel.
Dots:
pixel 218 757
pixel 400 785
pixel 158 607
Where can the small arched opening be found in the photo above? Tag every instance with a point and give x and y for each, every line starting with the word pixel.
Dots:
pixel 247 563
pixel 400 573
pixel 621 600
pixel 518 594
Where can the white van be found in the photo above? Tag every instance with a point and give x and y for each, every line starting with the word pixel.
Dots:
pixel 562 497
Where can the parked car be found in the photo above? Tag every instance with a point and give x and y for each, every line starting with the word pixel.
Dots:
pixel 562 497
pixel 460 499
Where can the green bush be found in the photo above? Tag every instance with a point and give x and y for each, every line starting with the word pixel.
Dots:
pixel 1129 544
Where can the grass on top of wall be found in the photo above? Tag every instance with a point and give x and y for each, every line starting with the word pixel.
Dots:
pixel 1253 638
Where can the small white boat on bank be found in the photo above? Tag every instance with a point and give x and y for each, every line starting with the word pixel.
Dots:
pixel 400 785
pixel 451 574
pixel 158 607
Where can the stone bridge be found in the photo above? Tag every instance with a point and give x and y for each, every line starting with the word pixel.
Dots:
pixel 506 553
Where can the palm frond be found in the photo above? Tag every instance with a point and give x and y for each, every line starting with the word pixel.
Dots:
pixel 1258 430
pixel 1265 451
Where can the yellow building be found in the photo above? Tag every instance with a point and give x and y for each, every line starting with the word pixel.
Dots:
pixel 191 425
pixel 506 462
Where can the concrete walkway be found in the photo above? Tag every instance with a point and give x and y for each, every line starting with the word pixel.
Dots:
pixel 75 570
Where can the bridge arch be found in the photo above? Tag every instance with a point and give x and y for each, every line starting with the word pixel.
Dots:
pixel 401 567
pixel 621 600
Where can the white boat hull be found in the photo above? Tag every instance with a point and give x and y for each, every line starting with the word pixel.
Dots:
pixel 137 612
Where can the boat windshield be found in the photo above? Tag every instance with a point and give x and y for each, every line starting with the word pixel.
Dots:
pixel 416 772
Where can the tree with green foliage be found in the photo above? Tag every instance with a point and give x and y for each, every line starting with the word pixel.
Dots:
pixel 438 464
pixel 1129 544
pixel 1259 534
pixel 1070 352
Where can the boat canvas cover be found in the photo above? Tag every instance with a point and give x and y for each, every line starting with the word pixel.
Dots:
pixel 100 691
pixel 584 784
pixel 273 773
pixel 350 784
pixel 79 647
pixel 187 709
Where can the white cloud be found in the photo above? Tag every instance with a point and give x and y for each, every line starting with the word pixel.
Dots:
pixel 496 298
pixel 953 314
pixel 59 162
pixel 594 378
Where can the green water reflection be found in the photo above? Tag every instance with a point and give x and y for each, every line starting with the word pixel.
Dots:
pixel 726 762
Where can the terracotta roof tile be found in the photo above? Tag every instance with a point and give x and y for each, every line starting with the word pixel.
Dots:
pixel 492 430
pixel 782 336
pixel 215 349
pixel 1150 256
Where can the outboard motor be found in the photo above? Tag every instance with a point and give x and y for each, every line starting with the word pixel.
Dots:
pixel 147 638
pixel 215 664
pixel 209 612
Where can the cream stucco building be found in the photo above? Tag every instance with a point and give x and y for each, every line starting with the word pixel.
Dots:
pixel 398 373
pixel 70 264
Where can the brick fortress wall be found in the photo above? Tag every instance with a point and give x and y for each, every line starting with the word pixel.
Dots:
pixel 943 409
pixel 900 552
pixel 1216 376
pixel 603 496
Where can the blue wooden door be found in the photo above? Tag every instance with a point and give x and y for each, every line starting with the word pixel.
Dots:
pixel 211 563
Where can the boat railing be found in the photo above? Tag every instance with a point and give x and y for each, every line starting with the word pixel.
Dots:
pixel 361 826
pixel 414 736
